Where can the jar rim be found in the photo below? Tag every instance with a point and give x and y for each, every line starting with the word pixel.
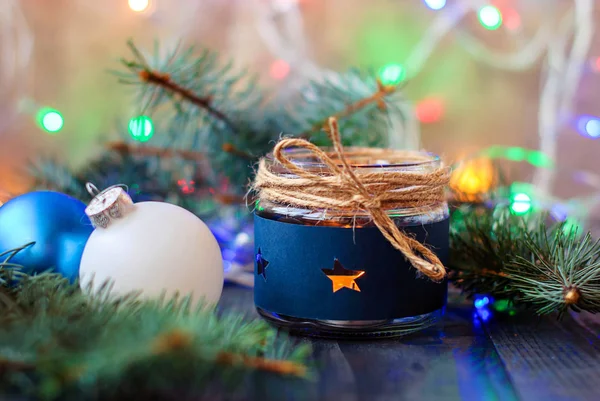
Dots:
pixel 364 158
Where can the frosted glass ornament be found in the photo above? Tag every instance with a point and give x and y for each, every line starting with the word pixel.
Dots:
pixel 151 247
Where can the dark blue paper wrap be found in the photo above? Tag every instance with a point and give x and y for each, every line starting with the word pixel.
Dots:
pixel 295 285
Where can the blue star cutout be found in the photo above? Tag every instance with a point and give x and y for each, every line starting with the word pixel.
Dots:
pixel 261 265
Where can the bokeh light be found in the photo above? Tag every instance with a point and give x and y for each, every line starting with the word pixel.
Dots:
pixel 518 154
pixel 187 187
pixel 538 159
pixel 596 64
pixel 430 110
pixel 490 17
pixel 139 5
pixel 473 179
pixel 141 128
pixel 511 19
pixel 520 203
pixel 515 154
pixel 50 120
pixel 589 126
pixel 501 305
pixel 572 227
pixel 484 314
pixel 592 128
pixel 435 4
pixel 481 301
pixel 279 69
pixel 392 74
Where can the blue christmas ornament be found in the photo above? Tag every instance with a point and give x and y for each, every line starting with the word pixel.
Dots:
pixel 56 223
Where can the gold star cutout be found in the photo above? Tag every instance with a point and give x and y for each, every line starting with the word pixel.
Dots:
pixel 341 277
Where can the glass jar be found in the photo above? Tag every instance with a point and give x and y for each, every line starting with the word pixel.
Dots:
pixel 331 273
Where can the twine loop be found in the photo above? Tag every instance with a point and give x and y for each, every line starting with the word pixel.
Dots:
pixel 338 186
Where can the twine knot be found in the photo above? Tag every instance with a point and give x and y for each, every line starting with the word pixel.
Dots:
pixel 366 203
pixel 340 187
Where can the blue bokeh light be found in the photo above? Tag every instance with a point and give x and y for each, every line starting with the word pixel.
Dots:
pixel 481 302
pixel 484 314
pixel 589 126
pixel 435 4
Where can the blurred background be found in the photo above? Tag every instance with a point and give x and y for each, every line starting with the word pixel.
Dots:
pixel 518 74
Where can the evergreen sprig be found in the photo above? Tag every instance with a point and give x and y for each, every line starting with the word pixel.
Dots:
pixel 359 101
pixel 527 260
pixel 214 122
pixel 151 178
pixel 58 342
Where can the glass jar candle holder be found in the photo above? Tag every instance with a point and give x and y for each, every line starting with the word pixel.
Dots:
pixel 331 273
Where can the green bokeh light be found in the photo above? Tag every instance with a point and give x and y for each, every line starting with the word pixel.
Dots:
pixel 515 153
pixel 539 159
pixel 258 206
pixel 518 186
pixel 50 120
pixel 520 203
pixel 572 227
pixel 141 128
pixel 392 74
pixel 494 151
pixel 502 305
pixel 490 17
pixel 518 154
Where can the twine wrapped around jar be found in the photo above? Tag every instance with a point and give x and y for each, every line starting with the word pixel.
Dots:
pixel 339 186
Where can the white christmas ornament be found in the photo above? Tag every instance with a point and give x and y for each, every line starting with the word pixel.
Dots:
pixel 150 246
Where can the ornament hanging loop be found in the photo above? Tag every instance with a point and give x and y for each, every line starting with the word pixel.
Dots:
pixel 92 189
pixel 109 205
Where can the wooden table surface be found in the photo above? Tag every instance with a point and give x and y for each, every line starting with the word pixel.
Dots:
pixel 518 358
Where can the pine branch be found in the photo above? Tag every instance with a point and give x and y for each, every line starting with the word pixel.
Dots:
pixel 222 119
pixel 362 104
pixel 563 271
pixel 129 148
pixel 286 368
pixel 164 80
pixel 376 98
pixel 531 262
pixel 232 149
pixel 148 177
pixel 60 342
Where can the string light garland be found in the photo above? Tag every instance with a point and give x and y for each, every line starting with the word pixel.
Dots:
pixel 473 178
pixel 518 154
pixel 563 47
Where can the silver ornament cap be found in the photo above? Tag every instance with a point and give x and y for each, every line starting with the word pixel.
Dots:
pixel 111 204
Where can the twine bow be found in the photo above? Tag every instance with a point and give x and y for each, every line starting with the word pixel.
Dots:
pixel 374 192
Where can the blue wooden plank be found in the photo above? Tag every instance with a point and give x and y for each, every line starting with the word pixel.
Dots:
pixel 455 362
pixel 548 359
